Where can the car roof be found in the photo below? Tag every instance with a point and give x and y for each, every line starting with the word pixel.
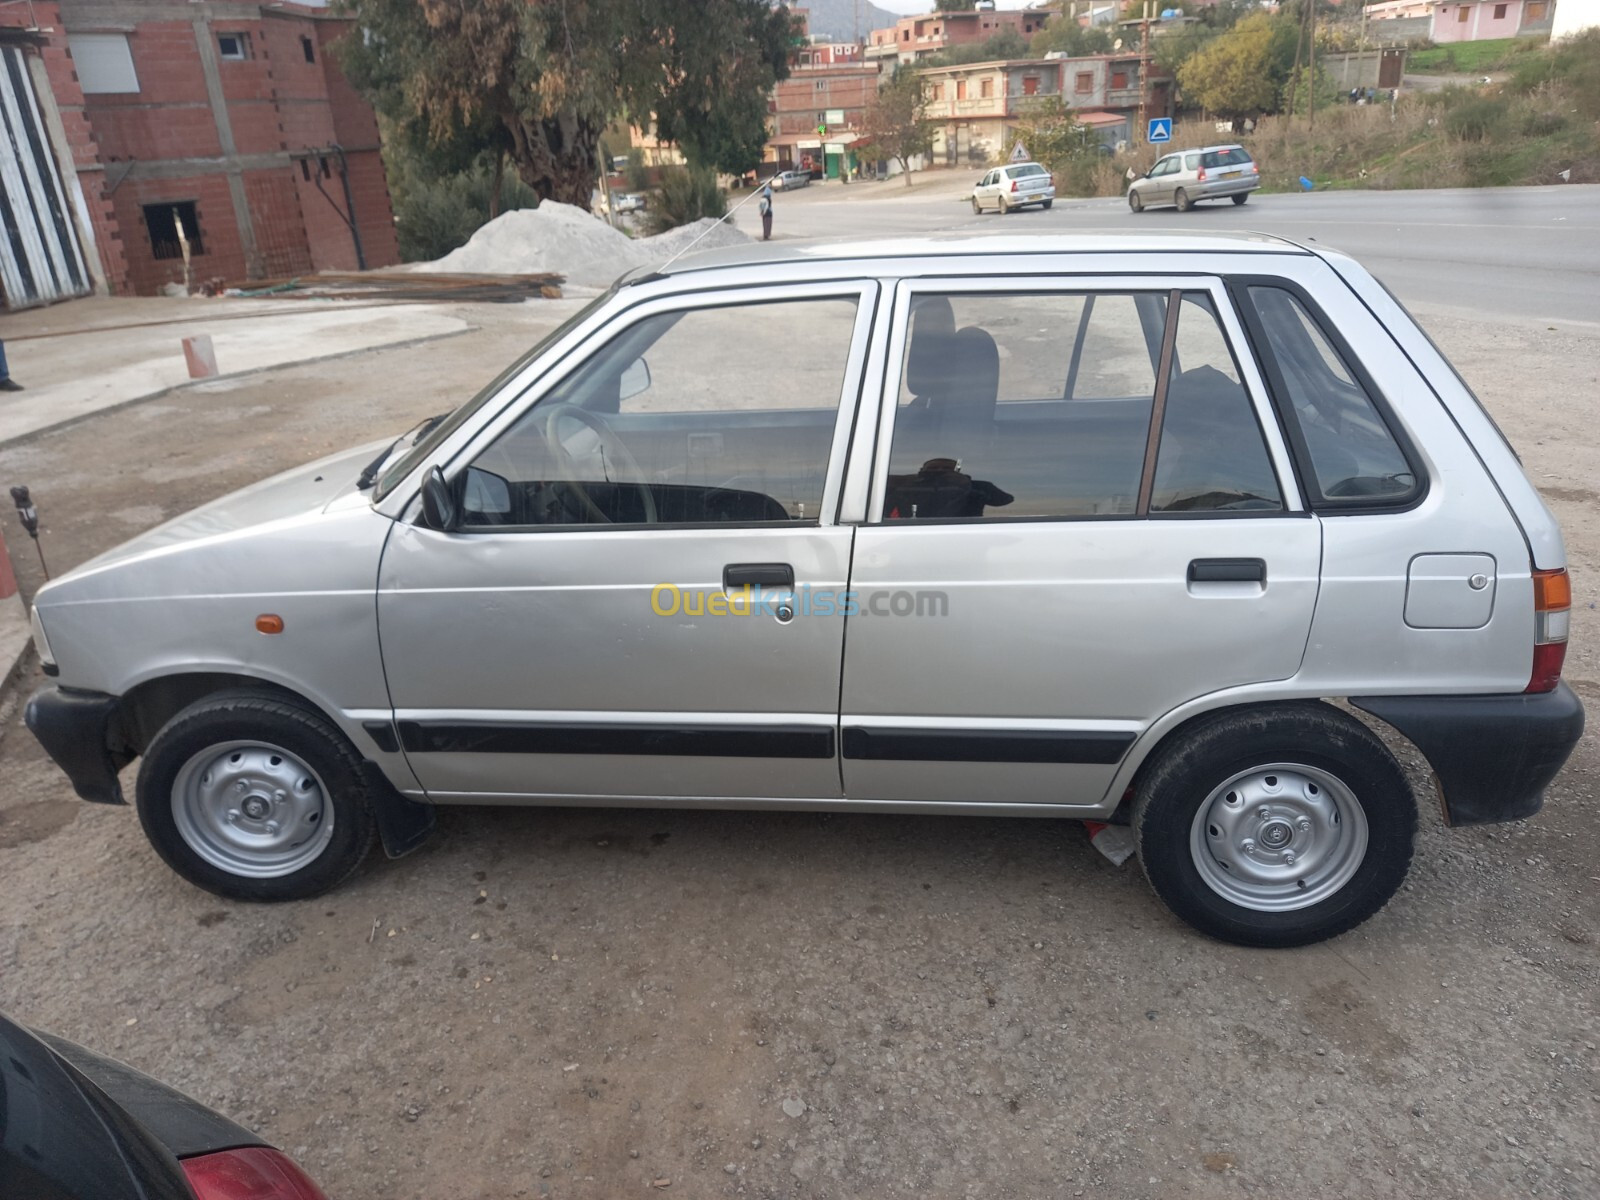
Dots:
pixel 1207 149
pixel 966 245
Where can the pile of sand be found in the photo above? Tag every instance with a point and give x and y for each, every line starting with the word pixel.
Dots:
pixel 565 239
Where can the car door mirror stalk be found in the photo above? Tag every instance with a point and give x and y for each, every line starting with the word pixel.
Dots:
pixel 439 507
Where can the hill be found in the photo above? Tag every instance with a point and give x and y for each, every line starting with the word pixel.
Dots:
pixel 847 20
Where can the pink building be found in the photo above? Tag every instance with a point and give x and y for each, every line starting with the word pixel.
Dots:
pixel 919 37
pixel 1470 20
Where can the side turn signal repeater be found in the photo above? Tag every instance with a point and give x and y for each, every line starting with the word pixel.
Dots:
pixel 269 623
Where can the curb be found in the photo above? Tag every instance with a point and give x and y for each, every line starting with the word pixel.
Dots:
pixel 16 635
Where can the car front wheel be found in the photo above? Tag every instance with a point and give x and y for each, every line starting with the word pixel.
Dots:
pixel 1275 826
pixel 976 207
pixel 1134 202
pixel 254 797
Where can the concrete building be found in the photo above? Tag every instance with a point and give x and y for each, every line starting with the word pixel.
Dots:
pixel 979 104
pixel 227 126
pixel 914 38
pixel 1469 20
pixel 816 116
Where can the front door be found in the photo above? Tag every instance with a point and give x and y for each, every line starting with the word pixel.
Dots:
pixel 1079 520
pixel 586 634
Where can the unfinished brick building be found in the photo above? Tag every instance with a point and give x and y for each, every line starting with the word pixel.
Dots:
pixel 226 129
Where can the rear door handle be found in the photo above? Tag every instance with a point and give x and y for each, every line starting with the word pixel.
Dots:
pixel 758 575
pixel 1228 570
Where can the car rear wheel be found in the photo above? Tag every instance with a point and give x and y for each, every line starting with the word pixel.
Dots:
pixel 255 798
pixel 1275 826
pixel 1005 207
pixel 1134 202
pixel 1241 197
pixel 1047 204
pixel 1181 199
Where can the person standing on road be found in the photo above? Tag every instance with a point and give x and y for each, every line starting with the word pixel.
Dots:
pixel 7 384
pixel 765 205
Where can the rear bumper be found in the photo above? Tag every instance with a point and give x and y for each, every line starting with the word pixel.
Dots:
pixel 1228 187
pixel 1493 755
pixel 72 726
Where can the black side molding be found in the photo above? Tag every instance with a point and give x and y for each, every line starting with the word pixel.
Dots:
pixel 73 727
pixel 997 746
pixel 710 741
pixel 1494 755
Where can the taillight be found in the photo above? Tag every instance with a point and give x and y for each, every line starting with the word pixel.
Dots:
pixel 1013 185
pixel 249 1173
pixel 1051 180
pixel 1202 175
pixel 1254 170
pixel 1552 614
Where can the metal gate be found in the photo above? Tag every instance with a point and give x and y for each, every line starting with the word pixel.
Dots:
pixel 40 259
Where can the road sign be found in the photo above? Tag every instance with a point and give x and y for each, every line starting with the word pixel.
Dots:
pixel 1160 130
pixel 1019 153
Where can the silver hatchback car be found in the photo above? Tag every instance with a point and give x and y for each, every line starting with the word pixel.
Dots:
pixel 1109 527
pixel 1184 177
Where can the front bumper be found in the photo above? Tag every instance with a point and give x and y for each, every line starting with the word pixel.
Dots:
pixel 73 727
pixel 1493 755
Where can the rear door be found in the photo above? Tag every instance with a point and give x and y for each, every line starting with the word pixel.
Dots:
pixel 1082 516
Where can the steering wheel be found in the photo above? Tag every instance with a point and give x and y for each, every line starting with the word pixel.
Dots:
pixel 612 448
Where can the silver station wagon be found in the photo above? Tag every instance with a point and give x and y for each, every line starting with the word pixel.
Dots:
pixel 1155 530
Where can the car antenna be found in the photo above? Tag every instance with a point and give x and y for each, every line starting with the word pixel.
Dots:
pixel 725 218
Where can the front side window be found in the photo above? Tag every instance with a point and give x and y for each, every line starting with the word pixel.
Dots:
pixel 1040 406
pixel 707 416
pixel 1353 455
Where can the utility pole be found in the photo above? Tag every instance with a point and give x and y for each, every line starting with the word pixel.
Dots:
pixel 1311 53
pixel 1144 72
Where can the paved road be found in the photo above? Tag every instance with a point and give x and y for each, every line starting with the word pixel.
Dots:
pixel 1530 254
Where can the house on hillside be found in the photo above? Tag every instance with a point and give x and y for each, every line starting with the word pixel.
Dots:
pixel 1467 20
pixel 914 38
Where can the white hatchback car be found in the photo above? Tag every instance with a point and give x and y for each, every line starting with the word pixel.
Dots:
pixel 1123 528
pixel 1009 188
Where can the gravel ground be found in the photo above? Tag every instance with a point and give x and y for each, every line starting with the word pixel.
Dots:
pixel 577 1003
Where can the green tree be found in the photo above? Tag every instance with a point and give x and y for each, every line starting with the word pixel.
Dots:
pixel 687 194
pixel 544 77
pixel 1056 139
pixel 1063 34
pixel 1238 73
pixel 896 124
pixel 955 5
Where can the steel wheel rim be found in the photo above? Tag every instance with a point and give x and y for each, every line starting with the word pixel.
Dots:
pixel 1278 838
pixel 252 809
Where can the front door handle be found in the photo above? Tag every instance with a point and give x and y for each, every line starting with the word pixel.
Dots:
pixel 1228 570
pixel 757 575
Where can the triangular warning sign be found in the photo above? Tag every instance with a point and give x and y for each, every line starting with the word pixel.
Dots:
pixel 1019 153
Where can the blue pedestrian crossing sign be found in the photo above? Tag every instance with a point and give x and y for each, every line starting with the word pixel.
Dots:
pixel 1160 130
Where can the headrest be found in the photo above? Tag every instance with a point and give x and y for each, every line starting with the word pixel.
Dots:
pixel 933 324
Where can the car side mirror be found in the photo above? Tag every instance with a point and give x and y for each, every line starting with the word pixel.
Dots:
pixel 439 507
pixel 634 380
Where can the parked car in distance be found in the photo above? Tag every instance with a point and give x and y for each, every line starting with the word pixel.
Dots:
pixel 1185 177
pixel 75 1125
pixel 1109 521
pixel 1009 188
pixel 788 180
pixel 627 202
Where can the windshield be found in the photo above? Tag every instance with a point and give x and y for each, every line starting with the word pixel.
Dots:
pixel 426 445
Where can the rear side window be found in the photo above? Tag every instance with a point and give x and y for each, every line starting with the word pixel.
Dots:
pixel 1040 406
pixel 1232 157
pixel 1339 431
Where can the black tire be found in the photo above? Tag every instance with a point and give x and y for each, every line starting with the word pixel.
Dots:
pixel 1190 768
pixel 976 207
pixel 1005 207
pixel 1135 203
pixel 1241 197
pixel 1181 199
pixel 1046 205
pixel 275 722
